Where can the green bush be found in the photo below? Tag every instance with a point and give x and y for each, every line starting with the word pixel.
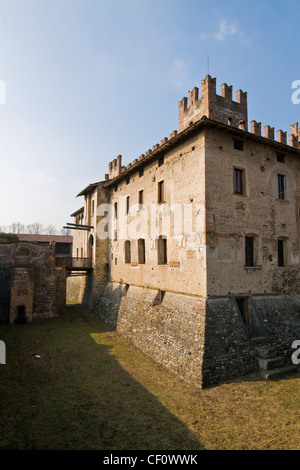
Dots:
pixel 8 237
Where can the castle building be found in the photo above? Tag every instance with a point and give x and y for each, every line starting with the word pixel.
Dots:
pixel 194 246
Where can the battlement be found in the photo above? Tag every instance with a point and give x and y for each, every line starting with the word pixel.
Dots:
pixel 115 167
pixel 218 107
pixel 294 137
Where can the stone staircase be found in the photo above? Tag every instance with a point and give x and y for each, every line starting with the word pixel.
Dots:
pixel 271 365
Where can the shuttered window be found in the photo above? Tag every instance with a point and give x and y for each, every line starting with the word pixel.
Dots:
pixel 281 186
pixel 161 191
pixel 141 251
pixel 238 181
pixel 127 247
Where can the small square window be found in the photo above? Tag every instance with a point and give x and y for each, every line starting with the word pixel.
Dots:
pixel 161 161
pixel 281 157
pixel 238 145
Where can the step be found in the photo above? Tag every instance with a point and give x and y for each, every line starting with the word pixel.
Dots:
pixel 278 372
pixel 271 363
pixel 266 352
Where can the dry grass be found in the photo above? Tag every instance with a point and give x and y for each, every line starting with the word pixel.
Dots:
pixel 91 389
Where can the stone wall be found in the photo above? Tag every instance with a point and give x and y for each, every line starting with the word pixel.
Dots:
pixel 204 341
pixel 171 333
pixel 5 288
pixel 258 212
pixel 281 316
pixel 75 288
pixel 31 284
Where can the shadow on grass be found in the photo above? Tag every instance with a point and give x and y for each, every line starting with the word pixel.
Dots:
pixel 76 395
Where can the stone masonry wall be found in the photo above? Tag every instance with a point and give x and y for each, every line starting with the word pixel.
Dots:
pixel 5 287
pixel 171 333
pixel 75 288
pixel 31 281
pixel 204 341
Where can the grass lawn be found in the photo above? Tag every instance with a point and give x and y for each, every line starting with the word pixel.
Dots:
pixel 91 389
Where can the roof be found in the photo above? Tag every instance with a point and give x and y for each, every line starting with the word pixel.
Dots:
pixel 89 188
pixel 202 123
pixel 77 212
pixel 28 237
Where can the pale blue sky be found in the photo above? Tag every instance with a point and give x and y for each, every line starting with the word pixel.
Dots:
pixel 87 80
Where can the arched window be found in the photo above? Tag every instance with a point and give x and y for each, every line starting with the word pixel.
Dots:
pixel 91 247
pixel 127 248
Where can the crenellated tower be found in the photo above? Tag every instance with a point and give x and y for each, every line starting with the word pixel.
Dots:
pixel 115 167
pixel 213 106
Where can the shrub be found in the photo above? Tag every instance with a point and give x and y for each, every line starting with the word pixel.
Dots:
pixel 8 237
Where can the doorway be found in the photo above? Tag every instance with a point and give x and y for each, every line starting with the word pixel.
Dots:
pixel 21 316
pixel 243 306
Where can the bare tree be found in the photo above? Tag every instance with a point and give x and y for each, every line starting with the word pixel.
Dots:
pixel 16 227
pixel 66 231
pixel 36 228
pixel 50 230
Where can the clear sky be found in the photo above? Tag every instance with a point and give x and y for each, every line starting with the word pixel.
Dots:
pixel 87 80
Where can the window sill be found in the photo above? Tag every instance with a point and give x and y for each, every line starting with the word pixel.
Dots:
pixel 253 267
